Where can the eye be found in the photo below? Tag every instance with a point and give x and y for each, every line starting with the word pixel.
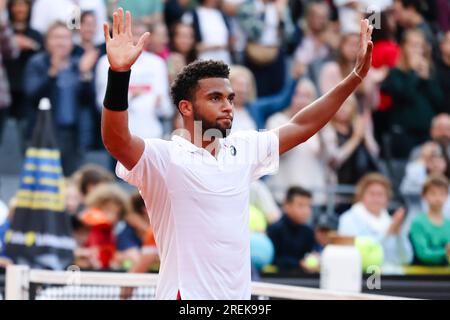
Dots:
pixel 215 98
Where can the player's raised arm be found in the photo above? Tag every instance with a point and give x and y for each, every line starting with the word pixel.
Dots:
pixel 122 54
pixel 311 119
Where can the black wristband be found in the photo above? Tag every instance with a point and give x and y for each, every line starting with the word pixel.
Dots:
pixel 116 97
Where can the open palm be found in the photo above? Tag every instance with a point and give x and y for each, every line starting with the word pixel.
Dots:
pixel 364 59
pixel 121 50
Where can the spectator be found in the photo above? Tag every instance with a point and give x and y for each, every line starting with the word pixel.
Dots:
pixel 291 235
pixel 409 15
pixel 314 45
pixel 212 31
pixel 415 92
pixel 325 226
pixel 231 9
pixel 148 94
pixel 47 12
pixel 73 199
pixel 336 70
pixel 29 42
pixel 55 74
pixel 369 217
pixel 244 86
pixel 147 12
pixel 443 71
pixel 351 146
pixel 305 165
pixel 268 27
pixel 182 48
pixel 429 162
pixel 86 179
pixel 8 49
pixel 386 53
pixel 89 54
pixel 430 231
pixel 140 230
pixel 89 177
pixel 440 134
pixel 350 13
pixel 159 40
pixel 106 206
pixel 243 83
pixel 174 10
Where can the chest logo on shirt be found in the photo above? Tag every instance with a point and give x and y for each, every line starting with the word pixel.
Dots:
pixel 233 151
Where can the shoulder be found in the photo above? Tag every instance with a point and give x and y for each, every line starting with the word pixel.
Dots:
pixel 250 135
pixel 276 227
pixel 348 217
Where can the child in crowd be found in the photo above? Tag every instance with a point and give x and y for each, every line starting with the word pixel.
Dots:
pixel 106 206
pixel 430 231
pixel 291 235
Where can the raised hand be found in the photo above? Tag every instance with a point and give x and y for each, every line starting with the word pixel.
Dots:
pixel 364 59
pixel 121 50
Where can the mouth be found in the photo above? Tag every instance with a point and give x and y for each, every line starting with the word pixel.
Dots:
pixel 225 118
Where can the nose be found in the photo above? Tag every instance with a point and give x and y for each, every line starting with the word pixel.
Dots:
pixel 228 107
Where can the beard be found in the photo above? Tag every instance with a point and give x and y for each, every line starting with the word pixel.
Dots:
pixel 213 128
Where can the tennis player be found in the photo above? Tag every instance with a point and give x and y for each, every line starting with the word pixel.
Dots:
pixel 196 186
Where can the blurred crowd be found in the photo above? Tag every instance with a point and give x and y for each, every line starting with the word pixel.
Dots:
pixel 383 160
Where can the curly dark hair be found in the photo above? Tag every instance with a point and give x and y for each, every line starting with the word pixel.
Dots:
pixel 186 81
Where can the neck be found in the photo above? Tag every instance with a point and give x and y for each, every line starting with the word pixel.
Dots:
pixel 435 213
pixel 20 25
pixel 373 211
pixel 200 140
pixel 87 44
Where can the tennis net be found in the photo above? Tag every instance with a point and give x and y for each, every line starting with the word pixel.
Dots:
pixel 23 283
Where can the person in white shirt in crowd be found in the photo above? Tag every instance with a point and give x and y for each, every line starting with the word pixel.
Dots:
pixel 46 12
pixel 304 165
pixel 212 31
pixel 148 93
pixel 196 186
pixel 368 217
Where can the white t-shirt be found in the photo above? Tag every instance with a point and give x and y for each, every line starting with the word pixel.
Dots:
pixel 149 75
pixel 199 209
pixel 213 30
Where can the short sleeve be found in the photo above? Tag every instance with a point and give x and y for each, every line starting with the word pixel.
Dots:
pixel 153 162
pixel 267 154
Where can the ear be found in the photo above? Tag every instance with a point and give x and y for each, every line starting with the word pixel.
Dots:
pixel 185 108
pixel 285 206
